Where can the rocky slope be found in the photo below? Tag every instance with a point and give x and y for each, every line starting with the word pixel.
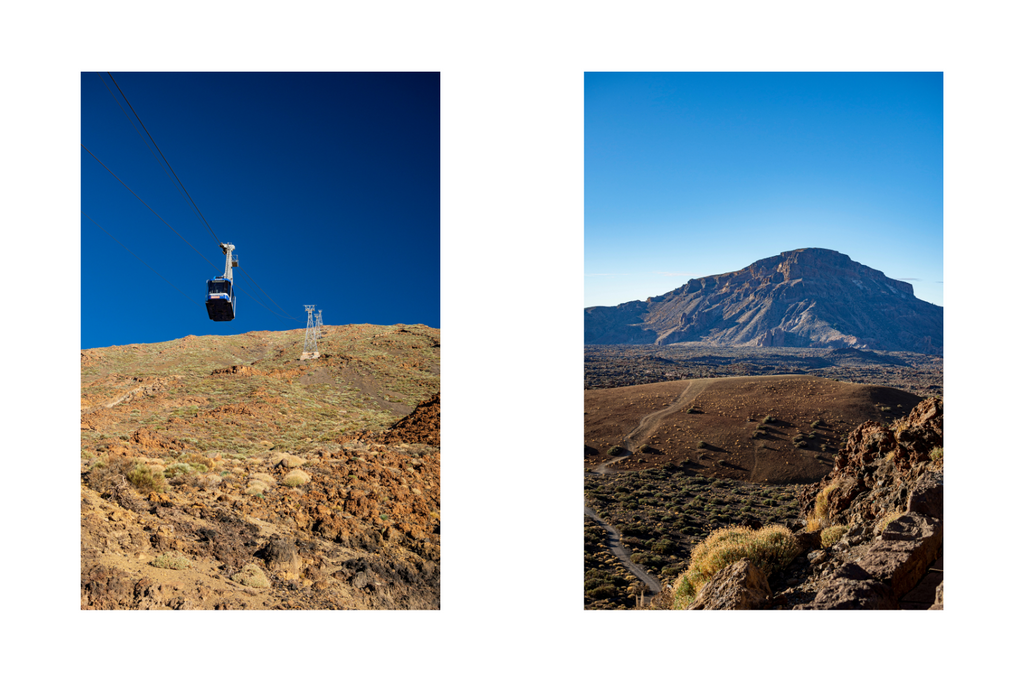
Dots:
pixel 804 298
pixel 223 473
pixel 873 534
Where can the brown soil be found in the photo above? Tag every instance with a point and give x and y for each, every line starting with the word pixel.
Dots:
pixel 422 426
pixel 206 455
pixel 720 428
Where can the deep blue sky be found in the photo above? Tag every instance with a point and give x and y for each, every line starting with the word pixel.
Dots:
pixel 328 185
pixel 695 174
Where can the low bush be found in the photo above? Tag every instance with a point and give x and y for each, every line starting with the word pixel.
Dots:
pixel 771 549
pixel 251 575
pixel 146 478
pixel 831 535
pixel 296 478
pixel 172 560
pixel 818 517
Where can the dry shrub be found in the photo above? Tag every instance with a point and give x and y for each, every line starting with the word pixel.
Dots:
pixel 818 518
pixel 251 575
pixel 884 522
pixel 146 478
pixel 831 535
pixel 172 560
pixel 296 478
pixel 771 549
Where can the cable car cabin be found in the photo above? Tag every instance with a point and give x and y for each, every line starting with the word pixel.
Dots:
pixel 220 299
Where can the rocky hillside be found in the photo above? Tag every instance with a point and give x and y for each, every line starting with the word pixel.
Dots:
pixel 223 473
pixel 872 537
pixel 803 298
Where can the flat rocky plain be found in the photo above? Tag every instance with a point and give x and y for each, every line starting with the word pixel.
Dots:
pixel 629 365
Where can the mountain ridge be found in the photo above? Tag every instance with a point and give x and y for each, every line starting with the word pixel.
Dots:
pixel 809 297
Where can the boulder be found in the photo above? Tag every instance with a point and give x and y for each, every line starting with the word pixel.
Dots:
pixel 847 594
pixel 937 606
pixel 739 586
pixel 900 557
pixel 926 495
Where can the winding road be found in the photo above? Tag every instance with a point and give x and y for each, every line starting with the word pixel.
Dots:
pixel 638 437
pixel 615 544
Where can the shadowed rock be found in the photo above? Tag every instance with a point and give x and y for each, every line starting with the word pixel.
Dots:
pixel 740 586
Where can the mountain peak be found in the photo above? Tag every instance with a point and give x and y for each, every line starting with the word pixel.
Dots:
pixel 810 297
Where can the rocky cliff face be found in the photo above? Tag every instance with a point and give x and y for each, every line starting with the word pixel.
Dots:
pixel 874 532
pixel 802 298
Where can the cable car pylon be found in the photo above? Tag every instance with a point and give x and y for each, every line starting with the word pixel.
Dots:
pixel 309 348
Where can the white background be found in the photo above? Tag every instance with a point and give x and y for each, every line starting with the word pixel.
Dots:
pixel 512 292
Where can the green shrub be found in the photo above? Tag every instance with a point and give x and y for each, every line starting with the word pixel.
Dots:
pixel 768 419
pixel 771 549
pixel 605 591
pixel 177 469
pixel 144 477
pixel 663 547
pixel 831 535
pixel 935 455
pixel 615 451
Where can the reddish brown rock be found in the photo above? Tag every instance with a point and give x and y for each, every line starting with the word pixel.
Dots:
pixel 901 556
pixel 846 594
pixel 740 586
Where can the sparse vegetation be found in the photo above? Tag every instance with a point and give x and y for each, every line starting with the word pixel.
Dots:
pixel 884 522
pixel 251 575
pixel 173 560
pixel 818 518
pixel 296 478
pixel 146 478
pixel 831 535
pixel 771 549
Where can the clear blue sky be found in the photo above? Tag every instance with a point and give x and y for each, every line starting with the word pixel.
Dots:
pixel 328 185
pixel 695 174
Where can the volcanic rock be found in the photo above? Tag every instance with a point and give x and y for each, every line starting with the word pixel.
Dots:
pixel 740 586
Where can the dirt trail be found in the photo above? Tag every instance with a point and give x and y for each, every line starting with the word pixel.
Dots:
pixel 649 423
pixel 615 544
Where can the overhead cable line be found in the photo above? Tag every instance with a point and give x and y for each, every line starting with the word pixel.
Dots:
pixel 255 298
pixel 148 206
pixel 267 295
pixel 219 242
pixel 194 207
pixel 148 147
pixel 142 261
